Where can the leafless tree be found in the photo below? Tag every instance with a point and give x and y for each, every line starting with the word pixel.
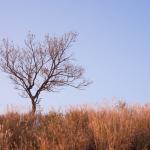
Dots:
pixel 41 66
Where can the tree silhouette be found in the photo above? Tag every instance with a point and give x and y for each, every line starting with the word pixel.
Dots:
pixel 41 66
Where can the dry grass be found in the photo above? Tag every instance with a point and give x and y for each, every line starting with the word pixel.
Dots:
pixel 120 128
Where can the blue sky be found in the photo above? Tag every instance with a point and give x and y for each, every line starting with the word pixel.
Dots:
pixel 113 46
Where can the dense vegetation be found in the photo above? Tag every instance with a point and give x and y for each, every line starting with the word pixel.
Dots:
pixel 119 128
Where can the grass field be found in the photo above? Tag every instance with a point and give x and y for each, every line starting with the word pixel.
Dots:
pixel 117 128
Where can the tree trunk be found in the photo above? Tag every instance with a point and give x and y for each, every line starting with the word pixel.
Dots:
pixel 33 106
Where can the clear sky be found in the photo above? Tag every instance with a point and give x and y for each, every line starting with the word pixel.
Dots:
pixel 113 46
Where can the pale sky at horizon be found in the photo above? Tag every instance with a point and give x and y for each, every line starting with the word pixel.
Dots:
pixel 113 46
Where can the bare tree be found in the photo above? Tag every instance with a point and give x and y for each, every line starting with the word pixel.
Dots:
pixel 41 66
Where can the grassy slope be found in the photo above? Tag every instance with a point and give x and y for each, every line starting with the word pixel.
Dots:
pixel 119 128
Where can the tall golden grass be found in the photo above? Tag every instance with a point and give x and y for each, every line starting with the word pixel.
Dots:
pixel 119 128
